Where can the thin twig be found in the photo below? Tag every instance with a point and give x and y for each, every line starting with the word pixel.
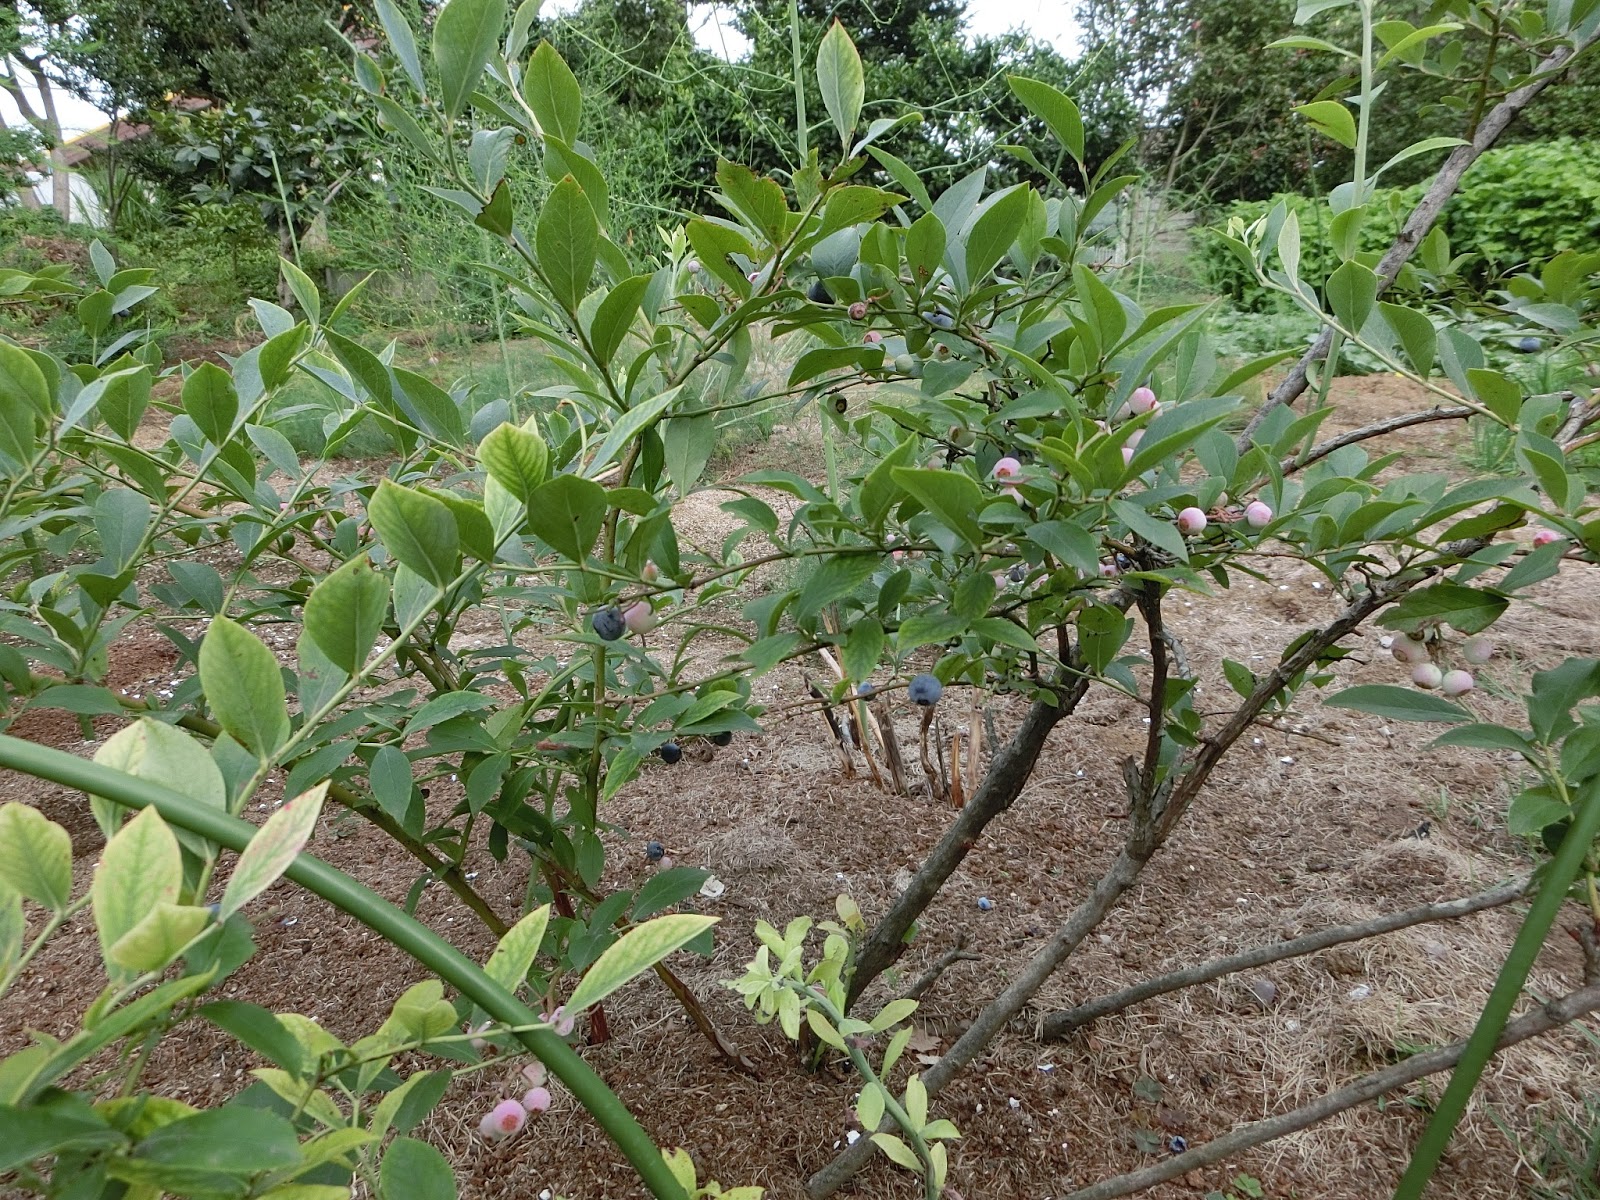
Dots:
pixel 1060 1024
pixel 931 976
pixel 1543 1019
pixel 1377 429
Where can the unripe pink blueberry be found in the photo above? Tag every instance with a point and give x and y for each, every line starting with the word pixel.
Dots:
pixel 1108 569
pixel 639 617
pixel 1543 537
pixel 564 1024
pixel 1477 650
pixel 1257 514
pixel 1127 455
pixel 503 1120
pixel 692 265
pixel 534 1073
pixel 1409 650
pixel 1456 683
pixel 650 572
pixel 1007 468
pixel 1134 438
pixel 536 1100
pixel 1191 520
pixel 872 337
pixel 1426 676
pixel 858 311
pixel 666 863
pixel 1142 400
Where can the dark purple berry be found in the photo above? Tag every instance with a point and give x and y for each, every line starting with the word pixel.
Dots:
pixel 724 738
pixel 654 851
pixel 939 318
pixel 1178 1143
pixel 925 690
pixel 608 624
pixel 866 691
pixel 1017 573
pixel 670 752
pixel 818 293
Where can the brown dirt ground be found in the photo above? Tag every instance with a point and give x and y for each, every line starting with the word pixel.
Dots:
pixel 1309 824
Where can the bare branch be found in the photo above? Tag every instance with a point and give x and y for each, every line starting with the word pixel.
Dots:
pixel 931 976
pixel 1369 1087
pixel 1425 214
pixel 1377 429
pixel 1061 1024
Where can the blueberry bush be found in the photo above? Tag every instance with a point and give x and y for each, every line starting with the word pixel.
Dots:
pixel 1023 466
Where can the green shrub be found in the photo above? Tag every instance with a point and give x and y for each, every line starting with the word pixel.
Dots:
pixel 1517 204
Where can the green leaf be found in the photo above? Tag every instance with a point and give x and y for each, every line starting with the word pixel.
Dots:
pixel 344 614
pixel 1398 703
pixel 1351 292
pixel 841 80
pixel 159 753
pixel 614 317
pixel 994 230
pixel 272 849
pixel 628 427
pixel 402 41
pixel 513 957
pixel 390 779
pixel 219 1145
pixel 1070 543
pixel 1465 609
pixel 1485 737
pixel 634 953
pixel 823 1029
pixel 899 1153
pixel 417 530
pixel 925 247
pixel 1422 147
pixel 949 495
pixel 1055 109
pixel 1102 632
pixel 121 517
pixel 1500 393
pixel 414 1170
pixel 568 238
pixel 59 1124
pixel 256 1028
pixel 892 1013
pixel 1159 533
pixel 305 291
pixel 13 927
pixel 516 458
pixel 1332 119
pixel 666 888
pixel 1416 333
pixel 862 649
pixel 1533 809
pixel 244 687
pixel 163 933
pixel 465 34
pixel 566 514
pixel 759 201
pixel 140 868
pixel 552 91
pixel 35 856
pixel 211 402
pixel 869 1109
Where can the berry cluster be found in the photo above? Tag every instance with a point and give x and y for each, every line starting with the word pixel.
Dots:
pixel 1416 651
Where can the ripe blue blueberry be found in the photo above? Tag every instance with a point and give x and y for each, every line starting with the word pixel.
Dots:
pixel 1017 573
pixel 654 851
pixel 939 317
pixel 722 739
pixel 866 691
pixel 818 293
pixel 925 690
pixel 608 624
pixel 670 752
pixel 1178 1143
pixel 1528 345
pixel 985 904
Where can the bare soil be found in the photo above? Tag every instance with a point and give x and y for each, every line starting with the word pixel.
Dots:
pixel 1329 817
